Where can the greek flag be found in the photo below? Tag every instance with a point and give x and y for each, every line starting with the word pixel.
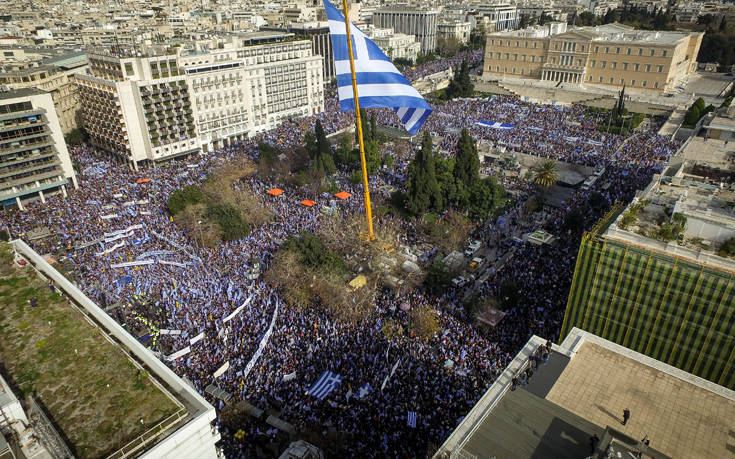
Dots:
pixel 411 420
pixel 495 125
pixel 324 385
pixel 364 391
pixel 379 83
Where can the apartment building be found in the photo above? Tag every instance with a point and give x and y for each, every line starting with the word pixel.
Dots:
pixel 53 80
pixel 612 56
pixel 500 16
pixel 394 45
pixel 454 30
pixel 34 161
pixel 171 102
pixel 421 23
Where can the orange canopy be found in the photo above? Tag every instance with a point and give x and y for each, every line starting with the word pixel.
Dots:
pixel 143 180
pixel 308 202
pixel 343 195
pixel 275 192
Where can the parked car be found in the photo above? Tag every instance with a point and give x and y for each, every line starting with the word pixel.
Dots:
pixel 473 247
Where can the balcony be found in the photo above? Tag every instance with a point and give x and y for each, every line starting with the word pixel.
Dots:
pixel 25 147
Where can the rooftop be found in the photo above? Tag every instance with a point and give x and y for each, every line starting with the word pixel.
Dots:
pixel 96 395
pixel 582 391
pixel 690 207
pixel 23 92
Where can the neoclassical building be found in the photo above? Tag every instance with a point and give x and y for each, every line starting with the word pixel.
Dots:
pixel 611 55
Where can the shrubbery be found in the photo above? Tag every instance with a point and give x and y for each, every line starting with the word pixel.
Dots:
pixel 184 197
pixel 229 219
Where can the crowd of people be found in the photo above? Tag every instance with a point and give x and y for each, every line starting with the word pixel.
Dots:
pixel 202 298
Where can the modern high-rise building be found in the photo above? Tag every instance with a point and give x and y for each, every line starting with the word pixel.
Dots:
pixel 660 277
pixel 420 23
pixel 611 55
pixel 162 103
pixel 34 161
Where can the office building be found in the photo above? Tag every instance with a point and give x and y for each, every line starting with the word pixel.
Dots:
pixel 176 102
pixel 500 16
pixel 610 56
pixel 34 161
pixel 421 23
pixel 572 406
pixel 454 30
pixel 394 45
pixel 659 278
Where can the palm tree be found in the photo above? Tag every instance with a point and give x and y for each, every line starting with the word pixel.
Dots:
pixel 546 174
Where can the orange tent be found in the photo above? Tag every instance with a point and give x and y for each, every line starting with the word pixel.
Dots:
pixel 308 202
pixel 343 195
pixel 275 192
pixel 143 180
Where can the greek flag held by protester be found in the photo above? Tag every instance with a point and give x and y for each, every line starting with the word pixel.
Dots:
pixel 364 391
pixel 379 83
pixel 411 421
pixel 324 385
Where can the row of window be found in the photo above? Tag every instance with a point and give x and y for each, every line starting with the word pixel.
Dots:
pixel 626 66
pixel 611 80
pixel 572 46
pixel 644 83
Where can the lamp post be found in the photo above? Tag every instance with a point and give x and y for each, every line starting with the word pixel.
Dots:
pixel 201 239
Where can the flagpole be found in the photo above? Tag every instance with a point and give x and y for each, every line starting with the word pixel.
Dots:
pixel 368 208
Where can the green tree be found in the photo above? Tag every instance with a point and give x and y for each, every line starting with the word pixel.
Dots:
pixel 485 198
pixel 322 144
pixel 422 188
pixel 310 144
pixel 437 276
pixel 546 174
pixel 76 136
pixel 230 221
pixel 372 157
pixel 268 153
pixel 467 166
pixel 448 185
pixel 183 197
pixel 345 153
pixel 388 161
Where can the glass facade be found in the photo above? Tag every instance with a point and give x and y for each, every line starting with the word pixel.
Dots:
pixel 666 307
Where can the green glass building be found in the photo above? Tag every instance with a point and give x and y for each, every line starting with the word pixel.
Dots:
pixel 673 308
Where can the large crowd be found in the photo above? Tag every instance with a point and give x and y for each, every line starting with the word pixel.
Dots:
pixel 203 300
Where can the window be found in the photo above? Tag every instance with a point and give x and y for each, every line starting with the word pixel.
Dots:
pixel 592 64
pixel 589 78
pixel 526 42
pixel 660 68
pixel 663 53
pixel 534 43
pixel 582 48
pixel 604 63
pixel 533 58
pixel 648 67
pixel 597 48
pixel 553 59
pixel 653 52
pixel 500 42
pixel 515 56
pixel 640 51
pixel 617 50
pixel 632 82
pixel 611 80
pixel 607 48
pixel 613 65
pixel 625 66
pixel 655 85
pixel 492 42
pixel 556 45
pixel 622 81
pixel 636 67
pixel 497 67
pixel 643 83
pixel 600 79
pixel 628 49
pixel 497 55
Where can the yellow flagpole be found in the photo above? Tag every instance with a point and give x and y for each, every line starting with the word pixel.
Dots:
pixel 368 208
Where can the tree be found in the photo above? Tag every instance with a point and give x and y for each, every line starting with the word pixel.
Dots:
pixel 322 144
pixel 179 199
pixel 461 84
pixel 76 136
pixel 437 276
pixel 523 23
pixel 230 221
pixel 422 188
pixel 372 157
pixel 486 196
pixel 345 153
pixel 546 174
pixel 467 166
pixel 310 144
pixel 478 36
pixel 448 186
pixel 448 46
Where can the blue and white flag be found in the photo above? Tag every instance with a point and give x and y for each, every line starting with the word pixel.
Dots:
pixel 324 385
pixel 495 125
pixel 411 420
pixel 379 83
pixel 364 391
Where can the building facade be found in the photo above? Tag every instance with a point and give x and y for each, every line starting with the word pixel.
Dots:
pixel 53 80
pixel 321 42
pixel 156 107
pixel 454 30
pixel 500 16
pixel 665 292
pixel 609 56
pixel 394 45
pixel 422 24
pixel 34 161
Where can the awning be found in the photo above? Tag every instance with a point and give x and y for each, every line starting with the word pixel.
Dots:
pixel 308 202
pixel 343 195
pixel 275 192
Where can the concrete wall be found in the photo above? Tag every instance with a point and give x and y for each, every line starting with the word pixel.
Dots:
pixel 196 439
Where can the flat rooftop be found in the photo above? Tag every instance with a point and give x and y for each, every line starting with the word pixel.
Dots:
pixel 582 391
pixel 682 419
pixel 94 393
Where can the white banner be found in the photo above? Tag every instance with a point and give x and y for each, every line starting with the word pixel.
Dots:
pixel 128 203
pixel 111 249
pixel 107 217
pixel 385 381
pixel 237 311
pixel 145 212
pixel 126 230
pixel 172 263
pixel 142 201
pixel 263 343
pixel 163 331
pixel 197 338
pixel 289 376
pixel 221 370
pixel 175 244
pixel 178 354
pixel 154 253
pixel 132 263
